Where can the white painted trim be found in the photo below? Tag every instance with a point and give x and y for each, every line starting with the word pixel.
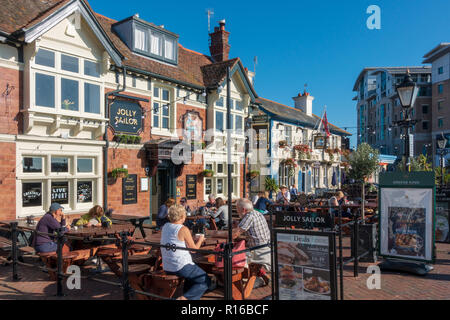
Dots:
pixel 11 65
pixel 28 138
pixel 76 6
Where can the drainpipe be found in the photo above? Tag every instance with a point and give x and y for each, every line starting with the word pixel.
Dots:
pixel 105 138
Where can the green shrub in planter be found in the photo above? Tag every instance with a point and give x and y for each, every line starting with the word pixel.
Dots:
pixel 208 173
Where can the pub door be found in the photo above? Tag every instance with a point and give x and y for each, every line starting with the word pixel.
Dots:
pixel 166 182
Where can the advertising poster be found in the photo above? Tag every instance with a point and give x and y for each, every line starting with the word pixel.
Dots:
pixel 407 223
pixel 306 267
pixel 442 222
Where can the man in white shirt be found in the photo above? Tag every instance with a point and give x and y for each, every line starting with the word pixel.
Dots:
pixel 284 196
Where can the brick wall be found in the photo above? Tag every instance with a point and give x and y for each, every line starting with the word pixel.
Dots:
pixel 8 181
pixel 10 100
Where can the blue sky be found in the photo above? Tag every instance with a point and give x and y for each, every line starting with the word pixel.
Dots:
pixel 324 44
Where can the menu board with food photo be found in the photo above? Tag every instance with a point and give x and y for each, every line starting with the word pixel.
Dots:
pixel 306 265
pixel 407 223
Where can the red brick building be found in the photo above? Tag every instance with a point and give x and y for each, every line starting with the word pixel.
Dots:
pixel 70 77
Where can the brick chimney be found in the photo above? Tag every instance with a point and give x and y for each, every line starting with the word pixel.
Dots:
pixel 304 102
pixel 219 46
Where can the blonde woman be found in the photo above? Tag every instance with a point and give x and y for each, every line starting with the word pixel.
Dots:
pixel 94 218
pixel 180 262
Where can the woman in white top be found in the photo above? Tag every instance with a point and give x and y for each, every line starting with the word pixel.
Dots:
pixel 180 262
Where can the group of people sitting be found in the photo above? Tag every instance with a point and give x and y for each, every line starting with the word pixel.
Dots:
pixel 217 208
pixel 55 220
pixel 253 226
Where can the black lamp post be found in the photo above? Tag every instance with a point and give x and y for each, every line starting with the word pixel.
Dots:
pixel 407 92
pixel 442 144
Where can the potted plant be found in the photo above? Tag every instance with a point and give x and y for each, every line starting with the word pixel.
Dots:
pixel 119 173
pixel 208 173
pixel 271 186
pixel 283 144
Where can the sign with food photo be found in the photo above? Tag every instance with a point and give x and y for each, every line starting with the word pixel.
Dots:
pixel 406 223
pixel 305 265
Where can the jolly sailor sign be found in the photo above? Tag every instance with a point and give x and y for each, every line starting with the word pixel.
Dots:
pixel 125 117
pixel 305 220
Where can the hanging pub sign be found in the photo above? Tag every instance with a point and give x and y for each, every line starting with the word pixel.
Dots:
pixel 191 187
pixel 193 126
pixel 60 192
pixel 305 265
pixel 407 214
pixel 125 117
pixel 304 220
pixel 261 139
pixel 260 118
pixel 319 142
pixel 129 189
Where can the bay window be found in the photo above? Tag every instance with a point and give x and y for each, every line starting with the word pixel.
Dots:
pixel 63 86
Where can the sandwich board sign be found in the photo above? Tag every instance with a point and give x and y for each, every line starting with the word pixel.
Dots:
pixel 407 216
pixel 305 265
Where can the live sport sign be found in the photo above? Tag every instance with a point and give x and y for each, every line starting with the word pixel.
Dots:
pixel 125 117
pixel 304 220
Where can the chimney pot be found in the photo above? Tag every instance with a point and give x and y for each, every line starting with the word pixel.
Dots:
pixel 219 47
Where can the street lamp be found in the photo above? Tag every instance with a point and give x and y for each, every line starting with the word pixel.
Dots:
pixel 407 92
pixel 442 144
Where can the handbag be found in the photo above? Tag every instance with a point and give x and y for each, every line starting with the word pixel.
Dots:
pixel 238 261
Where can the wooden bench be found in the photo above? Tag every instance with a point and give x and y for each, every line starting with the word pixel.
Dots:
pixel 161 284
pixel 51 261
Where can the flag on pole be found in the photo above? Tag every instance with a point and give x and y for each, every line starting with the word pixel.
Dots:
pixel 325 125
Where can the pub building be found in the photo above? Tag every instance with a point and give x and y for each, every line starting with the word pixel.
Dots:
pixel 71 77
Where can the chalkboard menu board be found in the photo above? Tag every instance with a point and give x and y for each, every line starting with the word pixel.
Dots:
pixel 191 187
pixel 305 265
pixel 129 189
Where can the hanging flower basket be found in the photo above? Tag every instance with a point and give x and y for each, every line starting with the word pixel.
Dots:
pixel 283 144
pixel 119 173
pixel 290 163
pixel 252 175
pixel 207 173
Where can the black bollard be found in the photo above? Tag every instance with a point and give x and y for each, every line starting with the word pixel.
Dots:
pixel 228 269
pixel 341 258
pixel 60 238
pixel 355 247
pixel 125 281
pixel 14 250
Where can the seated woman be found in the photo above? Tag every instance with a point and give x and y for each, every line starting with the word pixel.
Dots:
pixel 94 218
pixel 180 262
pixel 161 218
pixel 221 215
pixel 51 222
pixel 263 203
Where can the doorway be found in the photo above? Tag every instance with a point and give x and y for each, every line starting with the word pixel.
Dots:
pixel 164 185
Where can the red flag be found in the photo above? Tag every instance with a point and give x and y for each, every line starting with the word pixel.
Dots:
pixel 325 125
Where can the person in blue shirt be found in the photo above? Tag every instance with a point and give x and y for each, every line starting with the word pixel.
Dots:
pixel 263 202
pixel 294 192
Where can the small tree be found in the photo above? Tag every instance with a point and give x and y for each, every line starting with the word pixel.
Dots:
pixel 363 163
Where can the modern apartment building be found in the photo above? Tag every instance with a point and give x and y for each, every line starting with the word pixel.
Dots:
pixel 379 108
pixel 439 58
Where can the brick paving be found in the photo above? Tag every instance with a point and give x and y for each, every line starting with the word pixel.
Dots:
pixel 34 284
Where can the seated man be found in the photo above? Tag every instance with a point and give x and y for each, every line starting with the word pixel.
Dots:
pixel 284 196
pixel 221 215
pixel 51 222
pixel 254 227
pixel 337 200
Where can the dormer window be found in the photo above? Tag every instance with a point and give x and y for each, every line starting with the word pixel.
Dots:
pixel 154 42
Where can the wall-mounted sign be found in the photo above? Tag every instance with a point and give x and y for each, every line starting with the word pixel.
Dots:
pixel 60 192
pixel 144 184
pixel 193 126
pixel 406 215
pixel 31 194
pixel 129 189
pixel 84 191
pixel 305 265
pixel 260 119
pixel 125 117
pixel 191 187
pixel 304 220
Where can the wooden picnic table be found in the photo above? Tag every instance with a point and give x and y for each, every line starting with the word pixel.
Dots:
pixel 136 221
